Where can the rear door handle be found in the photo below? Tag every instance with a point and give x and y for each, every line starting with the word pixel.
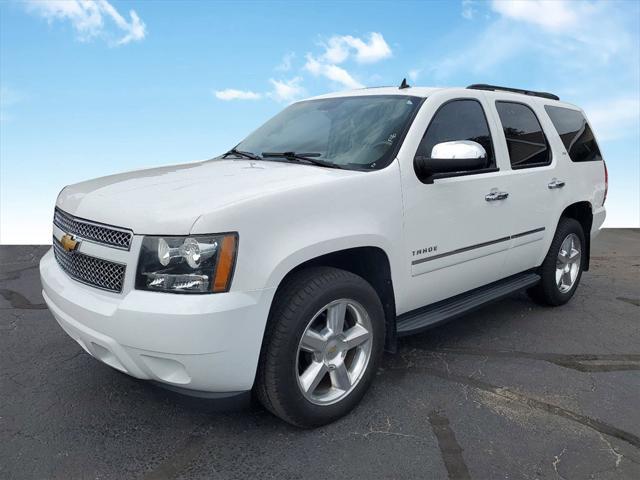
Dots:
pixel 493 196
pixel 555 184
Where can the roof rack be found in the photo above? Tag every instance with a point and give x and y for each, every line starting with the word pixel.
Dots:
pixel 483 86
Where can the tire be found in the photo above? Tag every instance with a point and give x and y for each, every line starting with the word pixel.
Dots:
pixel 302 307
pixel 549 291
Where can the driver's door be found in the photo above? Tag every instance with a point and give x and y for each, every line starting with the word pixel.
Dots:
pixel 456 225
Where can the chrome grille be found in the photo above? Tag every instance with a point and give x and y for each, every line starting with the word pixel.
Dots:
pixel 113 237
pixel 90 270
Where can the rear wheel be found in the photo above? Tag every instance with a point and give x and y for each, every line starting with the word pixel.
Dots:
pixel 562 267
pixel 322 345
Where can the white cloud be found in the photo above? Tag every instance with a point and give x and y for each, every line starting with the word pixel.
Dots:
pixel 493 46
pixel 614 118
pixel 339 48
pixel 566 37
pixel 468 9
pixel 550 14
pixel 414 73
pixel 233 94
pixel 89 19
pixel 283 91
pixel 332 72
pixel 373 51
pixel 285 64
pixel 336 50
pixel 571 27
pixel 286 90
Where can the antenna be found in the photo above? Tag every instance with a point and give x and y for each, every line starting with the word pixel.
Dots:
pixel 404 84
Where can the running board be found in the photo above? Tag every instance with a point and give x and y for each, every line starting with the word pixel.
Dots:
pixel 426 317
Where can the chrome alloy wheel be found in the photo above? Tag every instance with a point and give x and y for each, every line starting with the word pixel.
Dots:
pixel 568 263
pixel 334 352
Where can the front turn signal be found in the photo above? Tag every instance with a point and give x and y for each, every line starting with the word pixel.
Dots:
pixel 226 263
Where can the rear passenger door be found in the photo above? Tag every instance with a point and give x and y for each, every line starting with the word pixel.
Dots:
pixel 530 173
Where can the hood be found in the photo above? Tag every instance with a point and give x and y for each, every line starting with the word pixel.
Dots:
pixel 168 200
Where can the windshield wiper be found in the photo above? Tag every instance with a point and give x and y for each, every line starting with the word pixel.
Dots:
pixel 240 153
pixel 307 157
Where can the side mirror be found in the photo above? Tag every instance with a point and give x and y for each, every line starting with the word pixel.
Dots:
pixel 447 157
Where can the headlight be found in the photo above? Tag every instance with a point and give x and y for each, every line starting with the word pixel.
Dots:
pixel 194 264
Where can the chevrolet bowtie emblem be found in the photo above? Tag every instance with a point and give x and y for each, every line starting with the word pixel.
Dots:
pixel 68 243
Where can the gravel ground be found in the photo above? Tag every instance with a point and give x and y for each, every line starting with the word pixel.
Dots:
pixel 514 390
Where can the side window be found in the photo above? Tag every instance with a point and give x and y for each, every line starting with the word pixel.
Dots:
pixel 458 120
pixel 575 133
pixel 526 142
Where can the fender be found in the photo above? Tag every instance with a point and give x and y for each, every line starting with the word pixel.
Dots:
pixel 325 247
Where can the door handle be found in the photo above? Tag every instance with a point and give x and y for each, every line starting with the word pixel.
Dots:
pixel 493 196
pixel 555 184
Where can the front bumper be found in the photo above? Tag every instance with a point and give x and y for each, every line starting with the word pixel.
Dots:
pixel 204 343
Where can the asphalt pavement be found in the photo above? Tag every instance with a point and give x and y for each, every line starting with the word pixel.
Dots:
pixel 514 390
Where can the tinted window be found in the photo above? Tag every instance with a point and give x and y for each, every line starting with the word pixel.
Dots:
pixel 525 139
pixel 458 120
pixel 575 133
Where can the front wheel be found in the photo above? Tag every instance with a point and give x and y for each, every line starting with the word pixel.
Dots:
pixel 562 267
pixel 324 339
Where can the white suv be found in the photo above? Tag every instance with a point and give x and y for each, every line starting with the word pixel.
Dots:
pixel 287 265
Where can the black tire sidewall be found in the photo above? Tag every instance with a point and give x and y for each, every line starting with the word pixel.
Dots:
pixel 298 408
pixel 551 292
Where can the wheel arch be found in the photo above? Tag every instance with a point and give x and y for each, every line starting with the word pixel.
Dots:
pixel 369 262
pixel 583 213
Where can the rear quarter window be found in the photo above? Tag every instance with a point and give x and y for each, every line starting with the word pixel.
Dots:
pixel 575 133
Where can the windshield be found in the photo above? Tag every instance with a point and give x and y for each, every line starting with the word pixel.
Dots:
pixel 353 132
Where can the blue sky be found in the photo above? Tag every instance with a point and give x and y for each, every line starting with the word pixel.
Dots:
pixel 89 89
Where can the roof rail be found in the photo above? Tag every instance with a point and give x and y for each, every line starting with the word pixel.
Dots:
pixel 483 86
